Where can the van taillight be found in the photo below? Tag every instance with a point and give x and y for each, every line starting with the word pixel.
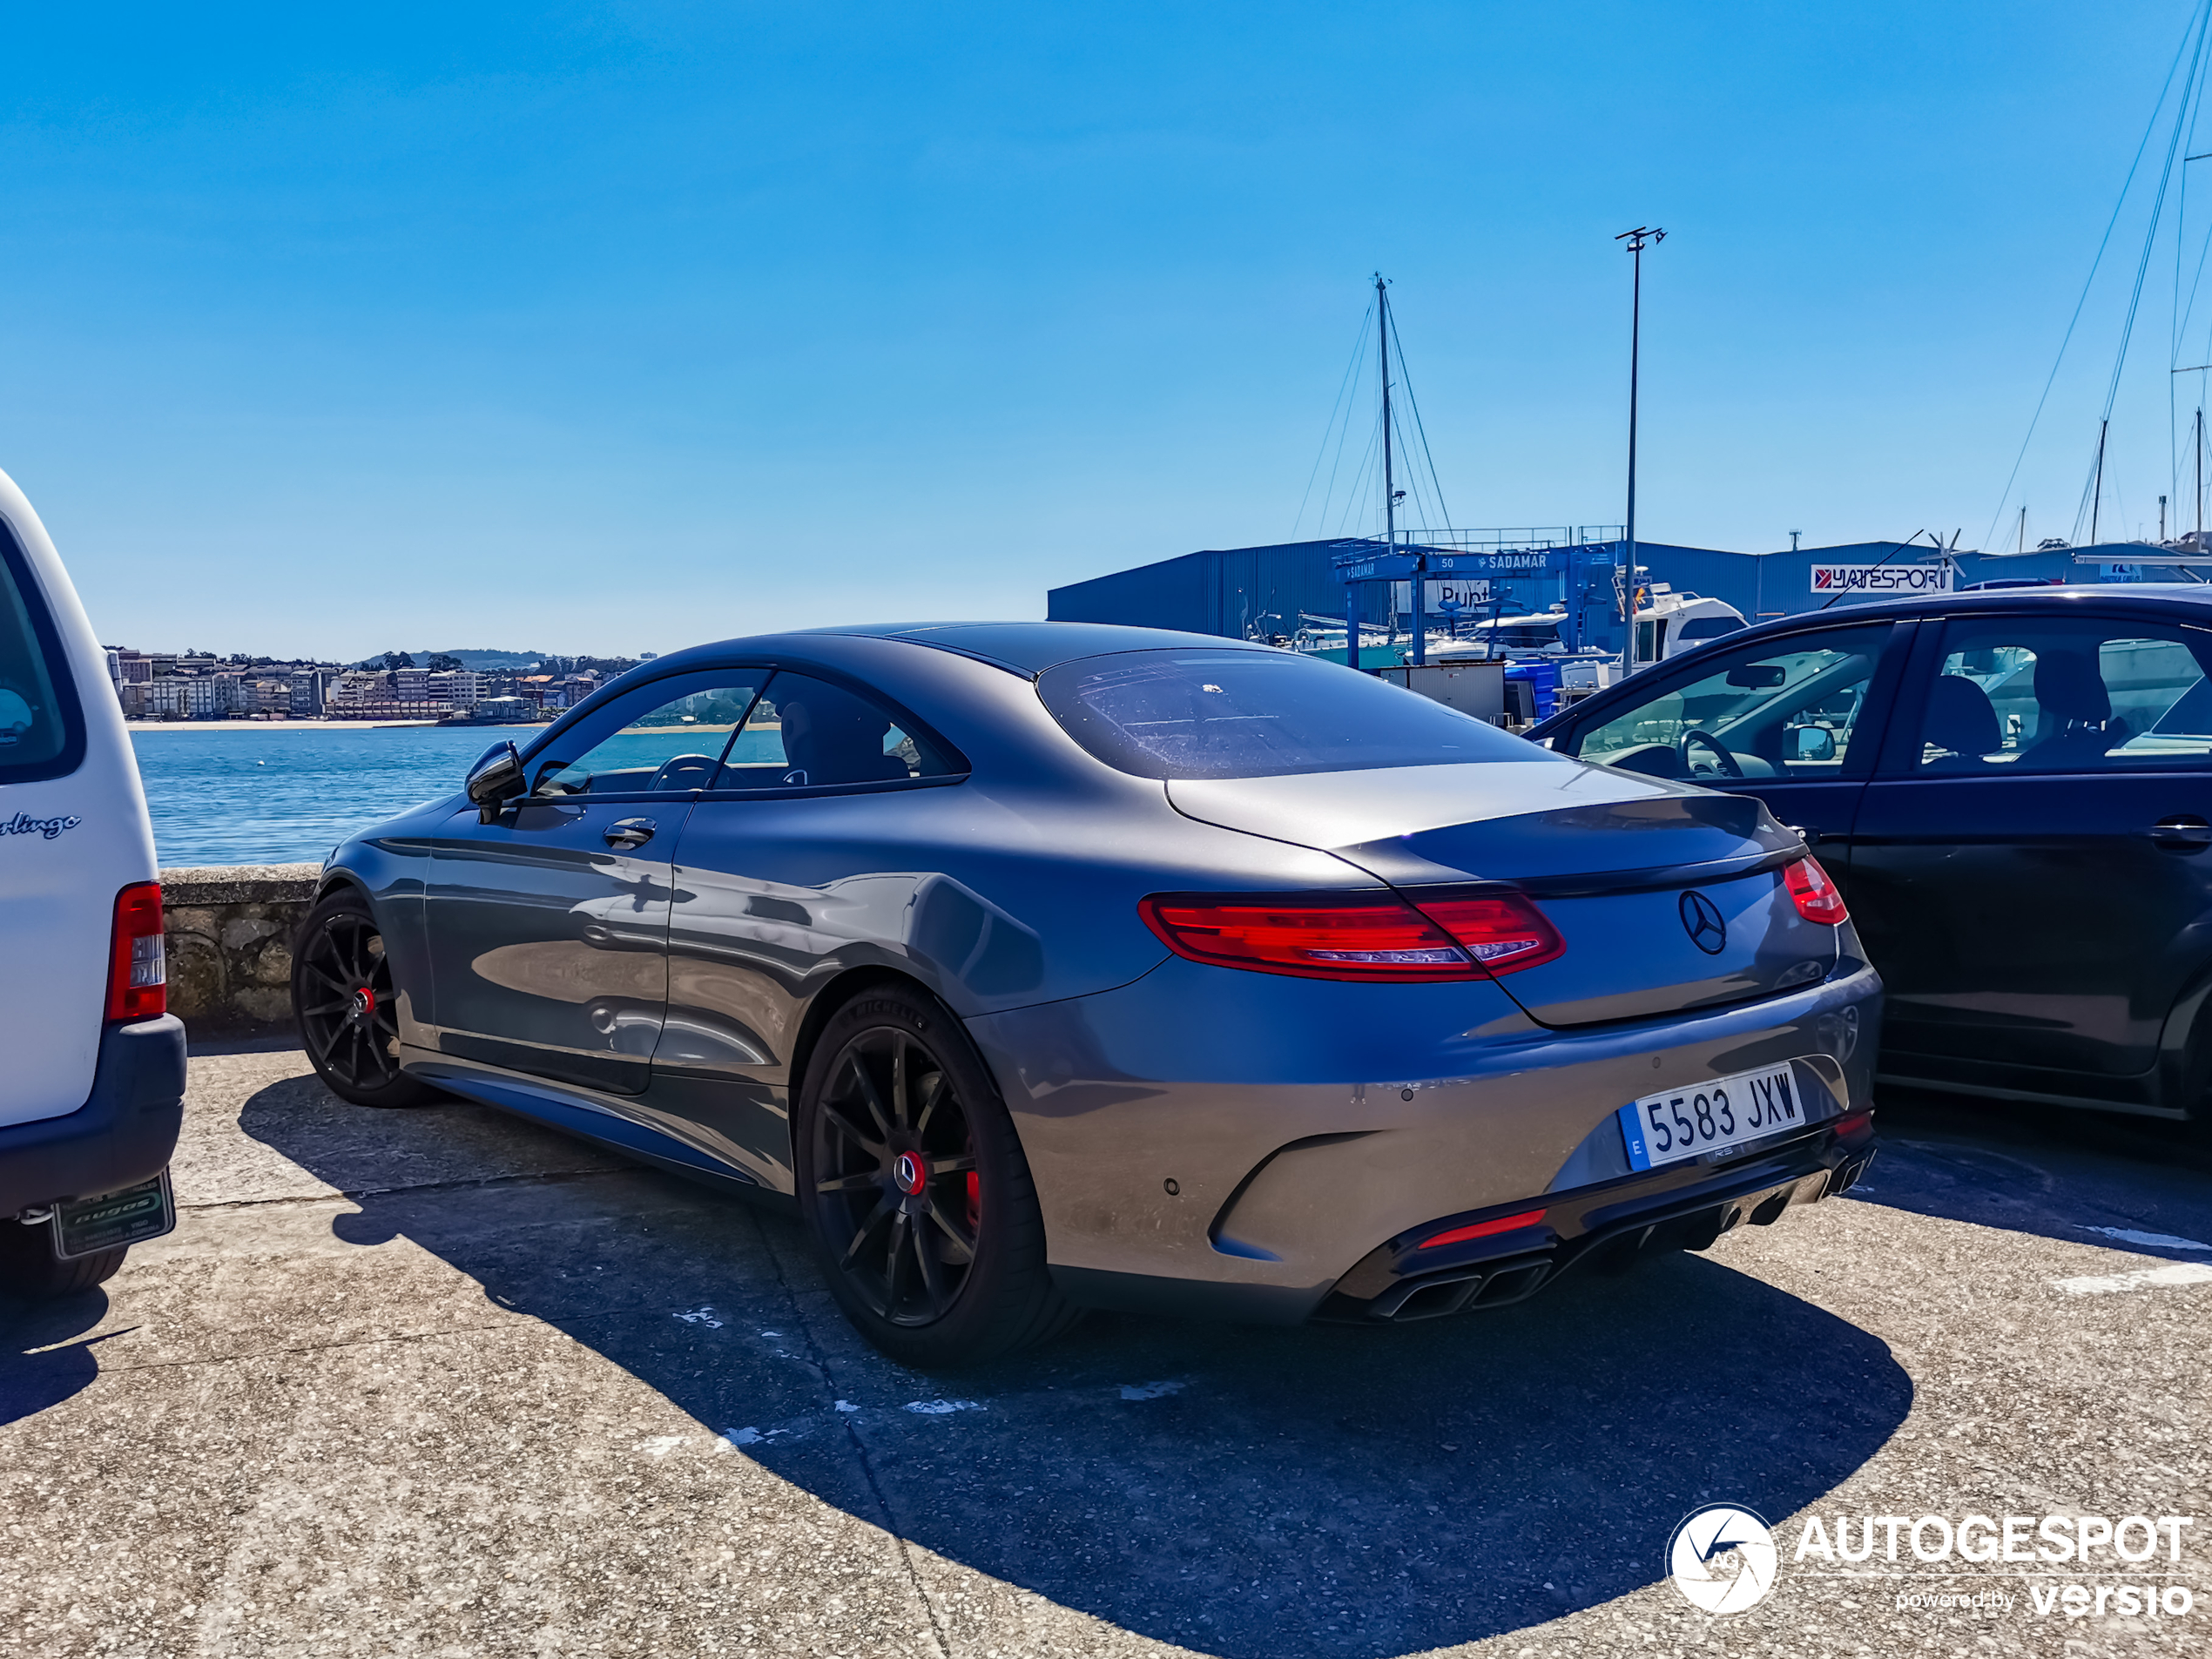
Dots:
pixel 1362 936
pixel 1815 893
pixel 137 973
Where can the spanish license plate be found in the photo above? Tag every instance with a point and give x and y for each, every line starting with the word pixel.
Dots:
pixel 1711 1117
pixel 90 1224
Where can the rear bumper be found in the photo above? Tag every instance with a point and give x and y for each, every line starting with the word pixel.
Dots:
pixel 1238 1145
pixel 123 1134
pixel 1684 1207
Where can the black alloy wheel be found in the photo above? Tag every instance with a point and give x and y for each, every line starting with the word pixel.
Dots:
pixel 347 1005
pixel 914 1188
pixel 894 1168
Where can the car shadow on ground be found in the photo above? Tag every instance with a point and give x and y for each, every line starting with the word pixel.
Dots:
pixel 40 1366
pixel 1243 1491
pixel 2086 1177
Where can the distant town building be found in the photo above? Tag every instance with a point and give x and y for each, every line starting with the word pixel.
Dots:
pixel 311 690
pixel 454 688
pixel 151 685
pixel 189 696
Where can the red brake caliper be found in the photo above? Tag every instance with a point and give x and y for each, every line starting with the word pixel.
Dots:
pixel 974 1201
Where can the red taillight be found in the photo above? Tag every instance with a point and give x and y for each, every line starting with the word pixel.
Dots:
pixel 1503 931
pixel 138 971
pixel 1484 1228
pixel 1815 894
pixel 1313 935
pixel 1319 935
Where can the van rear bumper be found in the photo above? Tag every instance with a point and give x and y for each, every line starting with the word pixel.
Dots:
pixel 122 1134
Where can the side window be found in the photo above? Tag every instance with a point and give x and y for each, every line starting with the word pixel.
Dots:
pixel 1788 709
pixel 38 720
pixel 666 735
pixel 806 733
pixel 2022 694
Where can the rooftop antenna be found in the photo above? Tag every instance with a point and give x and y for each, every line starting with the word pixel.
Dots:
pixel 1637 240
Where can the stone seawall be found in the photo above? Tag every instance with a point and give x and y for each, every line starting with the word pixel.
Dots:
pixel 228 934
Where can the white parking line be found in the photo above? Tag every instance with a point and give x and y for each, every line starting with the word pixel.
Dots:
pixel 2150 1241
pixel 2178 1273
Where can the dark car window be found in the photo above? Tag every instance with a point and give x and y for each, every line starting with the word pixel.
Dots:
pixel 806 733
pixel 2025 694
pixel 40 734
pixel 668 735
pixel 1788 708
pixel 1257 714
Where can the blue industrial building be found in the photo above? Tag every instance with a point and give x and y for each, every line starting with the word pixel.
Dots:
pixel 1260 592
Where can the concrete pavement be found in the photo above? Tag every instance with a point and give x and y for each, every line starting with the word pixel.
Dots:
pixel 439 1382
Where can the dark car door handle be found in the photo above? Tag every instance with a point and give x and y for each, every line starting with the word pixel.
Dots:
pixel 1808 834
pixel 2182 834
pixel 630 832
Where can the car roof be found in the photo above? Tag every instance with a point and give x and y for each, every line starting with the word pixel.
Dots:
pixel 2197 595
pixel 2194 597
pixel 1030 648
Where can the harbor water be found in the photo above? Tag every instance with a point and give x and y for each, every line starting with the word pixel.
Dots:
pixel 286 793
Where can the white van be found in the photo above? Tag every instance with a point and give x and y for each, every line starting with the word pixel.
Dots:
pixel 92 1086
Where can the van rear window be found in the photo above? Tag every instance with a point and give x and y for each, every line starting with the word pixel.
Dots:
pixel 1258 714
pixel 41 735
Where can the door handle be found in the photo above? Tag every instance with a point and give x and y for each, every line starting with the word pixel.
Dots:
pixel 630 831
pixel 2183 832
pixel 1808 834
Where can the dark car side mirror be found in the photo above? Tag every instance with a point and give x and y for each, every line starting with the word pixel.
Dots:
pixel 495 780
pixel 1812 743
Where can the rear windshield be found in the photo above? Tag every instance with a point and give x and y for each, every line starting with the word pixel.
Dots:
pixel 39 730
pixel 1258 714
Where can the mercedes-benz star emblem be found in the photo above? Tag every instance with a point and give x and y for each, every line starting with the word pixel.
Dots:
pixel 1701 919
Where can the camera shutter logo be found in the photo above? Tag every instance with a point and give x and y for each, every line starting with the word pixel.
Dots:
pixel 1723 1559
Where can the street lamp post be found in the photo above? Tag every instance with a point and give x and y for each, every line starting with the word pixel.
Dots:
pixel 1625 583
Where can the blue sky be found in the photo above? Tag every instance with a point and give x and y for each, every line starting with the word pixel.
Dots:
pixel 618 328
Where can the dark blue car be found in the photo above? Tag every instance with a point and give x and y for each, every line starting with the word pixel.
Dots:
pixel 2014 790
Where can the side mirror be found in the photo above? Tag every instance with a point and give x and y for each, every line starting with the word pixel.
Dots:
pixel 1813 743
pixel 495 780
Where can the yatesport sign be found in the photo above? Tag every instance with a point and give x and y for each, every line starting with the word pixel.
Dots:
pixel 1881 578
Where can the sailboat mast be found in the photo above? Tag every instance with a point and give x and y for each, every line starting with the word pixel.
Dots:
pixel 2199 452
pixel 1382 354
pixel 2097 495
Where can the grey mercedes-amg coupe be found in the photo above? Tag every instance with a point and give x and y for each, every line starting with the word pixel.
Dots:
pixel 1040 966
